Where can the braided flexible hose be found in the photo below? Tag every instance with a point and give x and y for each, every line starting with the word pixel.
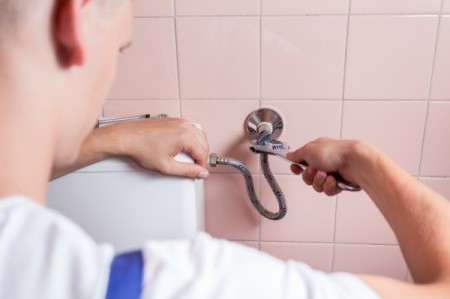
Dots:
pixel 214 160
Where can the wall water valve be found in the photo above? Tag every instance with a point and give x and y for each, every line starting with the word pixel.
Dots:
pixel 264 127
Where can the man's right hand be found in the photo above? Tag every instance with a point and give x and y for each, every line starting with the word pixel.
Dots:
pixel 325 156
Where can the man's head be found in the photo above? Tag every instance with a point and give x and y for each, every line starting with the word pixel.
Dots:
pixel 68 50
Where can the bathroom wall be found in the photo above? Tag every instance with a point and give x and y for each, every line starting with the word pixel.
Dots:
pixel 377 70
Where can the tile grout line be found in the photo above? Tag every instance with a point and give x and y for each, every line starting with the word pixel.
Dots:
pixel 334 233
pixel 433 177
pixel 295 15
pixel 176 57
pixel 252 173
pixel 260 105
pixel 419 170
pixel 319 243
pixel 259 216
pixel 260 53
pixel 260 67
pixel 280 100
pixel 340 128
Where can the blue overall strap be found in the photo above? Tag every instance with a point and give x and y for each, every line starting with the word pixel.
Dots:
pixel 125 278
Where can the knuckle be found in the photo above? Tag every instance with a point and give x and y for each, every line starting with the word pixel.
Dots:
pixel 184 122
pixel 185 136
pixel 172 120
pixel 328 190
pixel 178 122
pixel 317 188
pixel 322 140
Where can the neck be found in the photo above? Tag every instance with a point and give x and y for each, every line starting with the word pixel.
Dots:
pixel 26 132
pixel 25 164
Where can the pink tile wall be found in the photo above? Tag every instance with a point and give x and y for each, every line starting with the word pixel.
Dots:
pixel 446 7
pixel 229 213
pixel 218 57
pixel 318 256
pixel 395 6
pixel 358 221
pixel 375 259
pixel 440 185
pixel 117 108
pixel 390 57
pixel 217 7
pixel 310 216
pixel 367 69
pixel 149 68
pixel 436 144
pixel 289 7
pixel 305 63
pixel 155 8
pixel 441 88
pixel 382 123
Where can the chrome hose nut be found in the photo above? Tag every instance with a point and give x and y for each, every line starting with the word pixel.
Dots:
pixel 212 160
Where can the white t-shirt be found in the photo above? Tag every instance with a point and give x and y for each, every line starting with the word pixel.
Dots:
pixel 45 255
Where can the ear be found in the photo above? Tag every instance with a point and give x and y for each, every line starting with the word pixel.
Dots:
pixel 67 29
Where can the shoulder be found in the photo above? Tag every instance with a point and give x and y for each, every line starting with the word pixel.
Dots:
pixel 42 246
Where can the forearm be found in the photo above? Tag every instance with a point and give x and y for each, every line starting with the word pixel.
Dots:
pixel 150 143
pixel 95 148
pixel 419 217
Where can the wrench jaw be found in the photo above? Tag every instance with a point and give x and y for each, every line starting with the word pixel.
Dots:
pixel 280 149
pixel 273 148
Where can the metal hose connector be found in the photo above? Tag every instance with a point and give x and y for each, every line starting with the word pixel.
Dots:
pixel 215 160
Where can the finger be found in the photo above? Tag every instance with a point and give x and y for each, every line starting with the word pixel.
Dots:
pixel 201 132
pixel 202 142
pixel 199 154
pixel 319 180
pixel 296 169
pixel 193 171
pixel 296 156
pixel 200 137
pixel 330 187
pixel 193 144
pixel 192 127
pixel 308 175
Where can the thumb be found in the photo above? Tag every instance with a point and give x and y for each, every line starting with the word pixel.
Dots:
pixel 193 171
pixel 296 156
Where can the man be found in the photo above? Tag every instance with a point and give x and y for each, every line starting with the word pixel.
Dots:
pixel 57 60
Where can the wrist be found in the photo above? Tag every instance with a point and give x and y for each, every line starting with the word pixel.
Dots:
pixel 103 142
pixel 360 158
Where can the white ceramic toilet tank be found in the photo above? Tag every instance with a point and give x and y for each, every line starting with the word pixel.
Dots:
pixel 117 202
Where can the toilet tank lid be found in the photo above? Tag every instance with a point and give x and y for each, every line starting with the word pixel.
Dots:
pixel 122 164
